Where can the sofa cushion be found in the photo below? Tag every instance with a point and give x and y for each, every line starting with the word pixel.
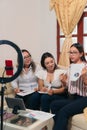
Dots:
pixel 8 89
pixel 79 121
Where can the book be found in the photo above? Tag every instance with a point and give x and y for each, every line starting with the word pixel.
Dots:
pixel 75 71
pixel 25 92
pixel 28 90
pixel 22 120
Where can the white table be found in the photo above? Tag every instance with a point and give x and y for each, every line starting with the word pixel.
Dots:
pixel 38 125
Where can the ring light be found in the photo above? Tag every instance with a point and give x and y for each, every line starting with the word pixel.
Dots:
pixel 20 65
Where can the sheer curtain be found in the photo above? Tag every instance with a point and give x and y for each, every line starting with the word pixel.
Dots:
pixel 68 13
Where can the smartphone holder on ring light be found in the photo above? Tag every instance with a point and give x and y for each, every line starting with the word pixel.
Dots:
pixel 4 80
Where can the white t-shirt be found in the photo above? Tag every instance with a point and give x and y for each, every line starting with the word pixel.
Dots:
pixel 42 74
pixel 26 80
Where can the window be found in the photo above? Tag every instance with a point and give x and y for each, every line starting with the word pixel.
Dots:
pixel 79 34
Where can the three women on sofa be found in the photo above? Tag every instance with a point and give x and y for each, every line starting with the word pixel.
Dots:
pixel 53 84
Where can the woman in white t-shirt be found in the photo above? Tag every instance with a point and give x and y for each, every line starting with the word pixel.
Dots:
pixel 27 81
pixel 49 85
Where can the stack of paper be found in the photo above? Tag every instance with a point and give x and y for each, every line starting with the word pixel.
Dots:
pixel 40 115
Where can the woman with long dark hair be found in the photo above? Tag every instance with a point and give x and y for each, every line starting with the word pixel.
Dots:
pixel 49 83
pixel 76 80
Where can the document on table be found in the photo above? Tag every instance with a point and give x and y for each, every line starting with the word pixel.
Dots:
pixel 25 92
pixel 40 115
pixel 75 71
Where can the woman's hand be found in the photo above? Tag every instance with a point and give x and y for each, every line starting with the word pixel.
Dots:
pixel 44 89
pixel 36 89
pixel 63 78
pixel 84 70
pixel 50 91
pixel 16 90
pixel 84 75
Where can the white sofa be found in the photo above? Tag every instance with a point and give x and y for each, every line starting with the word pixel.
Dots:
pixel 78 122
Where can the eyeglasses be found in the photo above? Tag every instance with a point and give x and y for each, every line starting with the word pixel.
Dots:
pixel 26 57
pixel 73 52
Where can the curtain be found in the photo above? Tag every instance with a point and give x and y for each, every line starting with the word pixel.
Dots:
pixel 68 13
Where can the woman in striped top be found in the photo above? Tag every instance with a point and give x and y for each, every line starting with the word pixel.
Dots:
pixel 76 80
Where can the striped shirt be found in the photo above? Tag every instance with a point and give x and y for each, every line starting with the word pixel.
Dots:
pixel 77 86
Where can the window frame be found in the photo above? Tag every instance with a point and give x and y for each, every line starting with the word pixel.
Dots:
pixel 79 34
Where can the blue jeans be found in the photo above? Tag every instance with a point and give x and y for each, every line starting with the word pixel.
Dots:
pixel 46 100
pixel 64 109
pixel 32 101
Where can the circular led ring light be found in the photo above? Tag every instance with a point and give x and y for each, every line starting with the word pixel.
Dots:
pixel 20 65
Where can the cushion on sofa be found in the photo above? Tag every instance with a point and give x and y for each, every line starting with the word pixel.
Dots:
pixel 85 113
pixel 8 89
pixel 78 121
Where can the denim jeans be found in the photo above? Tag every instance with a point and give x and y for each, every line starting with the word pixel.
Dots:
pixel 64 109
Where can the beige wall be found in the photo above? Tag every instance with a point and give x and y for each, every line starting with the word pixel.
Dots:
pixel 29 24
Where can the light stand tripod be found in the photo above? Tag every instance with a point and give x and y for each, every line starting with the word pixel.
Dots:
pixel 4 80
pixel 2 104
